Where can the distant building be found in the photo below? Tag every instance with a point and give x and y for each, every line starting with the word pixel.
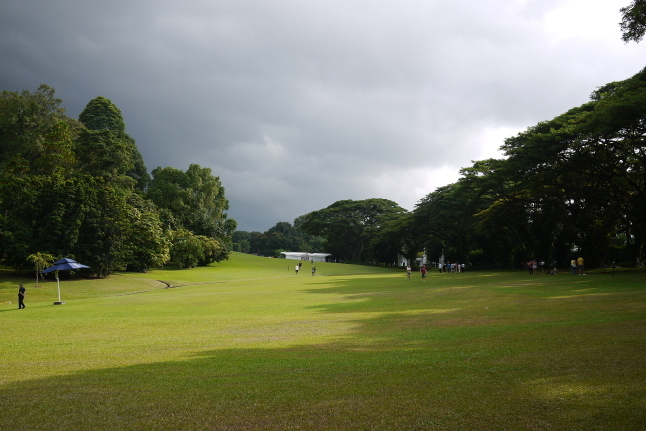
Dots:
pixel 299 255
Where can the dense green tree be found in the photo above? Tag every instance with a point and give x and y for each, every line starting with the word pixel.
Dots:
pixel 147 243
pixel 105 149
pixel 195 197
pixel 571 183
pixel 254 240
pixel 75 189
pixel 446 215
pixel 76 217
pixel 633 21
pixel 34 131
pixel 282 236
pixel 404 235
pixel 193 200
pixel 189 250
pixel 350 226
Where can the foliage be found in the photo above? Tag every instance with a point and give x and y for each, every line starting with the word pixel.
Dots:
pixel 633 21
pixel 148 243
pixel 194 200
pixel 41 261
pixel 403 235
pixel 189 250
pixel 350 226
pixel 241 241
pixel 446 216
pixel 75 189
pixel 105 149
pixel 77 216
pixel 33 127
pixel 283 236
pixel 567 184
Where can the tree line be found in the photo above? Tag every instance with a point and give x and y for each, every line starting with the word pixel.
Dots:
pixel 572 185
pixel 283 236
pixel 79 188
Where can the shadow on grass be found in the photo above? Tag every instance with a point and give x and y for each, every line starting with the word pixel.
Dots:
pixel 455 387
pixel 404 367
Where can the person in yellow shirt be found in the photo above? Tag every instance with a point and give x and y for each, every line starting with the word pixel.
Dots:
pixel 579 265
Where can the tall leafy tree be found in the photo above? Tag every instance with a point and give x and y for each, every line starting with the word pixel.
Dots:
pixel 403 235
pixel 350 226
pixel 446 215
pixel 148 244
pixel 633 21
pixel 189 250
pixel 575 181
pixel 106 149
pixel 76 217
pixel 193 200
pixel 35 133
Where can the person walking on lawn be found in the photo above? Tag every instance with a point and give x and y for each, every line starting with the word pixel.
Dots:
pixel 21 296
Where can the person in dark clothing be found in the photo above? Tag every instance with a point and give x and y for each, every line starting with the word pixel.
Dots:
pixel 21 296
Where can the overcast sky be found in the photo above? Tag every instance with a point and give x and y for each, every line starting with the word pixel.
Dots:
pixel 296 104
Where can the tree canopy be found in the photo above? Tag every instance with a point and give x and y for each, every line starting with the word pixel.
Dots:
pixel 633 21
pixel 350 226
pixel 76 188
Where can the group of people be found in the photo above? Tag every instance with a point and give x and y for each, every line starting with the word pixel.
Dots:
pixel 442 267
pixel 532 266
pixel 300 264
pixel 577 265
pixel 450 267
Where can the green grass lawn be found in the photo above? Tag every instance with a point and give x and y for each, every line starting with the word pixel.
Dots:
pixel 247 344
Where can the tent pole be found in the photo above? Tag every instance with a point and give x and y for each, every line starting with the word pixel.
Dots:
pixel 58 283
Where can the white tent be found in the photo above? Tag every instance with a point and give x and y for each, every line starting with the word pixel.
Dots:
pixel 296 255
pixel 319 257
pixel 299 255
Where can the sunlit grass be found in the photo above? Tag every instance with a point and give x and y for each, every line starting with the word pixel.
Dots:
pixel 247 344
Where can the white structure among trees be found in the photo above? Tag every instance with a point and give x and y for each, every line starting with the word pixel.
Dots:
pixel 299 255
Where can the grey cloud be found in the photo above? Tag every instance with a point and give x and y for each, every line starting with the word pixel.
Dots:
pixel 298 104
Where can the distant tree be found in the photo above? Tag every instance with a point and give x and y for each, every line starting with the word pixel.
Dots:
pixel 281 236
pixel 402 235
pixel 350 226
pixel 254 240
pixel 633 21
pixel 241 241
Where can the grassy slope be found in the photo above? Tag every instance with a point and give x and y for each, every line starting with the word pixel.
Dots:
pixel 249 345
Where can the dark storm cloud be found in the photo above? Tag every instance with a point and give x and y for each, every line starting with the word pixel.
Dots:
pixel 298 104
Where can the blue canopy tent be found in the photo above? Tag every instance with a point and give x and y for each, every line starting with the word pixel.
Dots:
pixel 62 265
